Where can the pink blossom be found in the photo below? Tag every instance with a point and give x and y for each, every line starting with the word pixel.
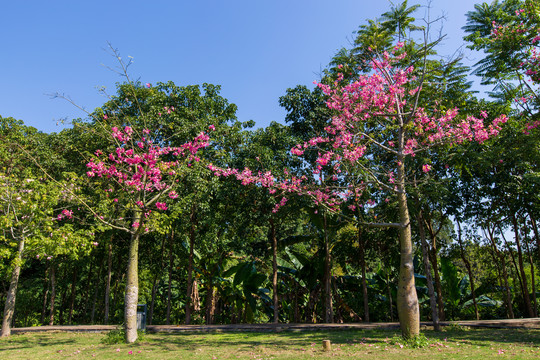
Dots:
pixel 161 206
pixel 212 127
pixel 426 168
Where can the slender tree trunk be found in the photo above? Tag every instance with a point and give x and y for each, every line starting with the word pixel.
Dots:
pixel 132 284
pixel 169 289
pixel 53 295
pixel 87 287
pixel 511 252
pixel 62 302
pixel 522 269
pixel 427 269
pixel 362 256
pixel 9 307
pixel 433 256
pixel 329 307
pixel 533 280
pixel 407 301
pixel 469 271
pixel 190 265
pixel 155 282
pixel 210 303
pixel 73 294
pixel 296 307
pixel 502 261
pixel 96 290
pixel 108 282
pixel 273 239
pixel 391 301
pixel 46 286
pixel 536 233
pixel 435 263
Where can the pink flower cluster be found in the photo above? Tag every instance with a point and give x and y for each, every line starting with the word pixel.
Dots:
pixel 139 165
pixel 65 214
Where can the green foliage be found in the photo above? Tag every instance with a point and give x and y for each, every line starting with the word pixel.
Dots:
pixel 118 336
pixel 416 342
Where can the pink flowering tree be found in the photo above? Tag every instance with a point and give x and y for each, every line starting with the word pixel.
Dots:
pixel 376 129
pixel 141 177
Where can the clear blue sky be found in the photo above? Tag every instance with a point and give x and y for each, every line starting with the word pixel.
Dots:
pixel 254 49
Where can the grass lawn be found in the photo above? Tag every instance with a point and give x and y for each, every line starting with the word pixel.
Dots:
pixel 346 344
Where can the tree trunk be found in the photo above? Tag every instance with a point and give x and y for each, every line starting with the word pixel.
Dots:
pixel 45 296
pixel 427 269
pixel 193 220
pixel 169 288
pixel 390 302
pixel 407 299
pixel 502 261
pixel 96 290
pixel 435 263
pixel 9 307
pixel 328 308
pixel 53 295
pixel 87 287
pixel 469 271
pixel 155 283
pixel 533 280
pixel 536 234
pixel 108 282
pixel 132 284
pixel 273 240
pixel 210 303
pixel 72 295
pixel 362 256
pixel 296 307
pixel 62 302
pixel 522 269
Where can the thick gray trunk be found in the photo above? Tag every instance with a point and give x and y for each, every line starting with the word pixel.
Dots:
pixel 407 299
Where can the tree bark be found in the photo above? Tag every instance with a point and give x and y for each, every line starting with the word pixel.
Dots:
pixel 522 269
pixel 72 295
pixel 435 265
pixel 53 295
pixel 210 303
pixel 96 290
pixel 407 301
pixel 155 283
pixel 273 240
pixel 108 282
pixel 536 233
pixel 533 280
pixel 362 256
pixel 502 261
pixel 329 307
pixel 193 219
pixel 9 307
pixel 132 284
pixel 45 296
pixel 469 271
pixel 169 288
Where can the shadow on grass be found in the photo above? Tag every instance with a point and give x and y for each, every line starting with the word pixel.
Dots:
pixel 26 341
pixel 301 339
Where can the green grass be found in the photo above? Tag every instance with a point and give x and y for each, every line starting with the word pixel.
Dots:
pixel 346 344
